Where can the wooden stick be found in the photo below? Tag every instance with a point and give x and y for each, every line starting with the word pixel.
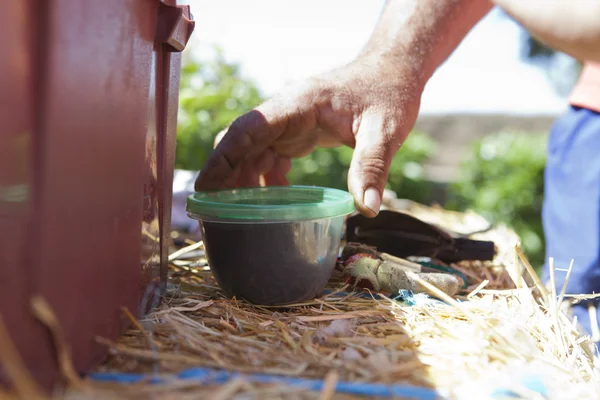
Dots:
pixel 187 249
pixel 407 265
pixel 435 291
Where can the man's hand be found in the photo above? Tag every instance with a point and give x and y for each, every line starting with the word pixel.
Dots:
pixel 369 105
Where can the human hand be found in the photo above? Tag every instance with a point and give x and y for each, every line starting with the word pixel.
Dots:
pixel 369 105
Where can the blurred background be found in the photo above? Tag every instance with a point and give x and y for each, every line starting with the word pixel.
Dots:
pixel 480 139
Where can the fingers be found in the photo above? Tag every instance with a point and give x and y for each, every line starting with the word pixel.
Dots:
pixel 277 175
pixel 252 169
pixel 219 137
pixel 248 176
pixel 248 136
pixel 265 162
pixel 376 145
pixel 272 167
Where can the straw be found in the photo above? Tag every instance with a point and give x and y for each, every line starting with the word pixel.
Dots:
pixel 229 389
pixel 138 326
pixel 564 288
pixel 371 339
pixel 594 322
pixel 538 282
pixel 184 250
pixel 14 367
pixel 329 387
pixel 498 336
pixel 478 289
pixel 43 312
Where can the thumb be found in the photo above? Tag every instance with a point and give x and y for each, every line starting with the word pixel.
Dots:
pixel 376 145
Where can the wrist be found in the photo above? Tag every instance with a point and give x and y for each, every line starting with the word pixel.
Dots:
pixel 395 67
pixel 418 35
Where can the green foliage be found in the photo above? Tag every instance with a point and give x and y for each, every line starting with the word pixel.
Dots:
pixel 504 181
pixel 329 167
pixel 212 95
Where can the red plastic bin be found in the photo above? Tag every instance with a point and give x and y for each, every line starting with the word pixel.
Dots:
pixel 88 107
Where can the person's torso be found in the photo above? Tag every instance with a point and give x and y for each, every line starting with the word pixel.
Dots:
pixel 586 93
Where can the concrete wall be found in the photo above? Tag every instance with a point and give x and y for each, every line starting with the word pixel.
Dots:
pixel 455 134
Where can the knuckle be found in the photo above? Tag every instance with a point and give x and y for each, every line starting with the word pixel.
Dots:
pixel 390 127
pixel 219 162
pixel 239 128
pixel 373 166
pixel 319 93
pixel 240 133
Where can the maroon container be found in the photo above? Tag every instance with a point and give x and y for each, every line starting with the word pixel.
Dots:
pixel 88 108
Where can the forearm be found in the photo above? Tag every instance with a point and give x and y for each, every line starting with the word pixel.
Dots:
pixel 570 26
pixel 421 34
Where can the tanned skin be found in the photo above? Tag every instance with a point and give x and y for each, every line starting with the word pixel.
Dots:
pixel 569 26
pixel 371 103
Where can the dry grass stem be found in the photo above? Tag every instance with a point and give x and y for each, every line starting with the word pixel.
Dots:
pixel 23 384
pixel 194 246
pixel 328 391
pixel 43 312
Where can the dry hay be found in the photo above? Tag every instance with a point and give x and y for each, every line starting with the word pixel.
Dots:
pixel 493 338
pixel 343 331
pixel 488 340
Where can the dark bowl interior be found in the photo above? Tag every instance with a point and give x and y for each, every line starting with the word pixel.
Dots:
pixel 273 263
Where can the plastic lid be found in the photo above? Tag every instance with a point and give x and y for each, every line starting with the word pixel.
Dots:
pixel 274 203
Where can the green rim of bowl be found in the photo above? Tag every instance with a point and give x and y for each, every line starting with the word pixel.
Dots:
pixel 274 203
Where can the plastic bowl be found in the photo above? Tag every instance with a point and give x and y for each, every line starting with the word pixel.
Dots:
pixel 272 245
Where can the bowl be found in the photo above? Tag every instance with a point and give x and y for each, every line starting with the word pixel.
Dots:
pixel 272 245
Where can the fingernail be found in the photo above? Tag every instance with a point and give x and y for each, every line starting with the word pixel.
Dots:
pixel 372 199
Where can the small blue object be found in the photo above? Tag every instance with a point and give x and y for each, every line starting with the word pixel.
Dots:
pixel 533 383
pixel 209 375
pixel 407 297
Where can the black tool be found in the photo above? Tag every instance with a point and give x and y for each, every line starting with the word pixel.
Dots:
pixel 403 235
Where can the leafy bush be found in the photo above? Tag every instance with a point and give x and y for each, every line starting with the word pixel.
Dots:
pixel 329 167
pixel 504 181
pixel 212 95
